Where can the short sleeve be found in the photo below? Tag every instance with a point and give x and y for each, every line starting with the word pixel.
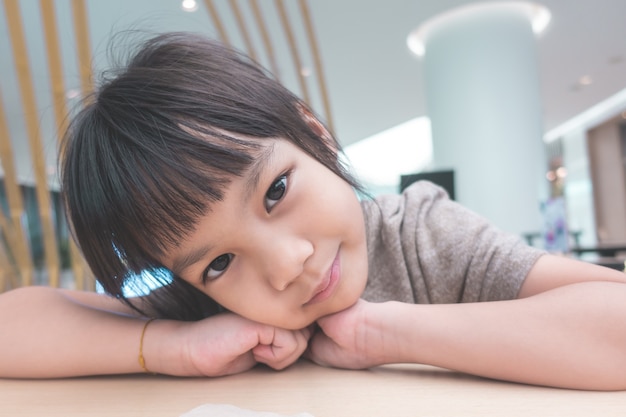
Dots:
pixel 425 248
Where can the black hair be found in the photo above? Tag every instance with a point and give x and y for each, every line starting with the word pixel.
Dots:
pixel 157 143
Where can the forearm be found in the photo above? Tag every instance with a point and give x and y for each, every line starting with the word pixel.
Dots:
pixel 572 337
pixel 47 334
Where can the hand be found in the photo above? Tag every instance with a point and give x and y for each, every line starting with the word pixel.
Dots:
pixel 227 344
pixel 351 338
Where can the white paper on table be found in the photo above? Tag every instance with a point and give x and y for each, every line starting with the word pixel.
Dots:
pixel 227 410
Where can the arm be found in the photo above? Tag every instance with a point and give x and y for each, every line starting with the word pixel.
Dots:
pixel 49 333
pixel 567 329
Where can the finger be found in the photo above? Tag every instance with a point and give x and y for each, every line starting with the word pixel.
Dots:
pixel 237 365
pixel 267 355
pixel 285 349
pixel 274 356
pixel 308 331
pixel 264 353
pixel 303 336
pixel 317 347
pixel 287 341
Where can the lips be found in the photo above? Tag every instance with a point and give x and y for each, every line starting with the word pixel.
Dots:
pixel 327 287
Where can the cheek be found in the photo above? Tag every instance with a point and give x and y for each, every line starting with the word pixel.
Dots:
pixel 351 216
pixel 338 200
pixel 244 297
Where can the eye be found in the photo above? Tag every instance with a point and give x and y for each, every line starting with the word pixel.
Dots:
pixel 276 192
pixel 217 267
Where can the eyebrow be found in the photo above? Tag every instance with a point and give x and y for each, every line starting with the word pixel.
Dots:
pixel 260 164
pixel 185 260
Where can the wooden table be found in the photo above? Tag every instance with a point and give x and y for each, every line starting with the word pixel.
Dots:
pixel 396 391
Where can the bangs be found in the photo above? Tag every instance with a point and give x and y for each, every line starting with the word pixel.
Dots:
pixel 140 200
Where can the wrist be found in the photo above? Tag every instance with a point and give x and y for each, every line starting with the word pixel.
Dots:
pixel 142 359
pixel 161 349
pixel 374 333
pixel 395 329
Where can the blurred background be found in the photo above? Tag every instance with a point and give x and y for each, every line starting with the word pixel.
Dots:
pixel 521 123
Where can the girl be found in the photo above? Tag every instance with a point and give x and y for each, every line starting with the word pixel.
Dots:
pixel 195 168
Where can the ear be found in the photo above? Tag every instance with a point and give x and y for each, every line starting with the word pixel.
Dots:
pixel 317 126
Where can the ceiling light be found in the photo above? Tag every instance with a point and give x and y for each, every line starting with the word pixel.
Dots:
pixel 189 5
pixel 538 15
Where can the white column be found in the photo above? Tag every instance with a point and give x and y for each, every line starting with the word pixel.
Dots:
pixel 482 95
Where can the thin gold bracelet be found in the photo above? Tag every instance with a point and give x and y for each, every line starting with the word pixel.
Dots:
pixel 142 360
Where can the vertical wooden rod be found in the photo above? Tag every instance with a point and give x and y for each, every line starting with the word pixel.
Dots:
pixel 81 31
pixel 16 235
pixel 241 24
pixel 217 21
pixel 260 22
pixel 284 18
pixel 319 71
pixel 16 32
pixel 60 108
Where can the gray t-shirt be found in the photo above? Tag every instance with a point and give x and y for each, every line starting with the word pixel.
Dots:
pixel 424 248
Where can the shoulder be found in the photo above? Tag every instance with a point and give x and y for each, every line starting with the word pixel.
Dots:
pixel 421 203
pixel 419 194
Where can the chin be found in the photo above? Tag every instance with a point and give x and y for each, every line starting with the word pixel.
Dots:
pixel 303 322
pixel 296 325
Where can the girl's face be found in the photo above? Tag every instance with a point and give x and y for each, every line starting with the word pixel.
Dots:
pixel 286 245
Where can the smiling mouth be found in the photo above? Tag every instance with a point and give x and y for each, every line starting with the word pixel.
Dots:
pixel 328 285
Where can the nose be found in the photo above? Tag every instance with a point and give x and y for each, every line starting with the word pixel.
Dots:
pixel 283 259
